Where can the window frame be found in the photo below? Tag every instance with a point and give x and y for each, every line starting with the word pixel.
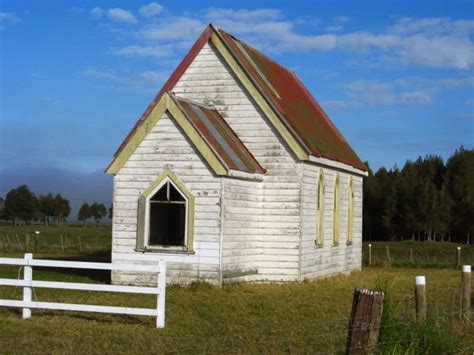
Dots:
pixel 350 213
pixel 320 195
pixel 336 212
pixel 143 220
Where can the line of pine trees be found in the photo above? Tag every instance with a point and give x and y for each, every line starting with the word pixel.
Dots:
pixel 425 200
pixel 22 206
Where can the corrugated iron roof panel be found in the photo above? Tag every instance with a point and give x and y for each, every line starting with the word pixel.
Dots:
pixel 219 136
pixel 295 105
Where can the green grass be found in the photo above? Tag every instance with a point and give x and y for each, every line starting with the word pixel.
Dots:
pixel 308 317
pixel 77 240
pixel 298 317
pixel 425 254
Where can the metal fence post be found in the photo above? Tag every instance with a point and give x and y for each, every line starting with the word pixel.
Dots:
pixel 160 303
pixel 459 256
pixel 27 277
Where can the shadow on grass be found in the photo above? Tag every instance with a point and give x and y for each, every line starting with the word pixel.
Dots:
pixel 102 276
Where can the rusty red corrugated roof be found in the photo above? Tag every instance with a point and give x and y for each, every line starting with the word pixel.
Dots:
pixel 290 99
pixel 295 105
pixel 219 136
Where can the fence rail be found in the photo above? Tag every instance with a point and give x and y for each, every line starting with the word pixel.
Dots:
pixel 28 284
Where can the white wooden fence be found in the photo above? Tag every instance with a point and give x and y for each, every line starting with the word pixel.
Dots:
pixel 28 284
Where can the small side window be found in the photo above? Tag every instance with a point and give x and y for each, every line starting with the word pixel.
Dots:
pixel 335 237
pixel 350 213
pixel 320 211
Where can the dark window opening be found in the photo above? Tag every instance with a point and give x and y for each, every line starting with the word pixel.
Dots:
pixel 167 217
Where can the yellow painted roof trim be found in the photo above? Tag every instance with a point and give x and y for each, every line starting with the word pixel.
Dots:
pixel 166 104
pixel 294 145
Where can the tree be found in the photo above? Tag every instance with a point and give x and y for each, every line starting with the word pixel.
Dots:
pixel 98 211
pixel 460 178
pixel 20 203
pixel 85 213
pixel 62 209
pixel 2 207
pixel 111 210
pixel 46 204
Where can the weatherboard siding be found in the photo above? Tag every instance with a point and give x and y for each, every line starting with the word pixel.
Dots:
pixel 267 228
pixel 329 259
pixel 166 146
pixel 273 241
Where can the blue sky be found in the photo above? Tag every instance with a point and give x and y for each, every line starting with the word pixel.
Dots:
pixel 395 77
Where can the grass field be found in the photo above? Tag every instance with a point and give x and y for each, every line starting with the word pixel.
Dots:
pixel 77 240
pixel 425 254
pixel 298 317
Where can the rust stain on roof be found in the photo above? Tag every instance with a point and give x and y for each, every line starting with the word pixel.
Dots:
pixel 295 105
pixel 219 136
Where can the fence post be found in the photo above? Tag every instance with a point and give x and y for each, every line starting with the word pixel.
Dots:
pixel 160 302
pixel 389 260
pixel 411 256
pixel 62 244
pixel 466 292
pixel 370 254
pixel 420 296
pixel 459 257
pixel 364 324
pixel 27 277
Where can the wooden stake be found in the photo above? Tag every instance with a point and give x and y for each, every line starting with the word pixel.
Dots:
pixel 17 239
pixel 466 292
pixel 364 324
pixel 411 255
pixel 459 257
pixel 420 296
pixel 62 244
pixel 370 254
pixel 389 261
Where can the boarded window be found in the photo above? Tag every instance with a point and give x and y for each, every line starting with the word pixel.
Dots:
pixel 167 221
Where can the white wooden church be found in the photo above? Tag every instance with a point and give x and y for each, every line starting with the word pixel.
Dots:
pixel 235 173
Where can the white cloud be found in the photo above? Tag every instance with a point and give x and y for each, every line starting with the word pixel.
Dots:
pixel 413 91
pixel 173 29
pixel 340 20
pixel 8 18
pixel 424 42
pixel 150 10
pixel 146 80
pixel 416 97
pixel 121 15
pixel 469 102
pixel 146 51
pixel 97 12
pixel 334 28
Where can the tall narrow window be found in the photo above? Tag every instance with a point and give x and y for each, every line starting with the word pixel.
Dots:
pixel 320 211
pixel 335 237
pixel 350 213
